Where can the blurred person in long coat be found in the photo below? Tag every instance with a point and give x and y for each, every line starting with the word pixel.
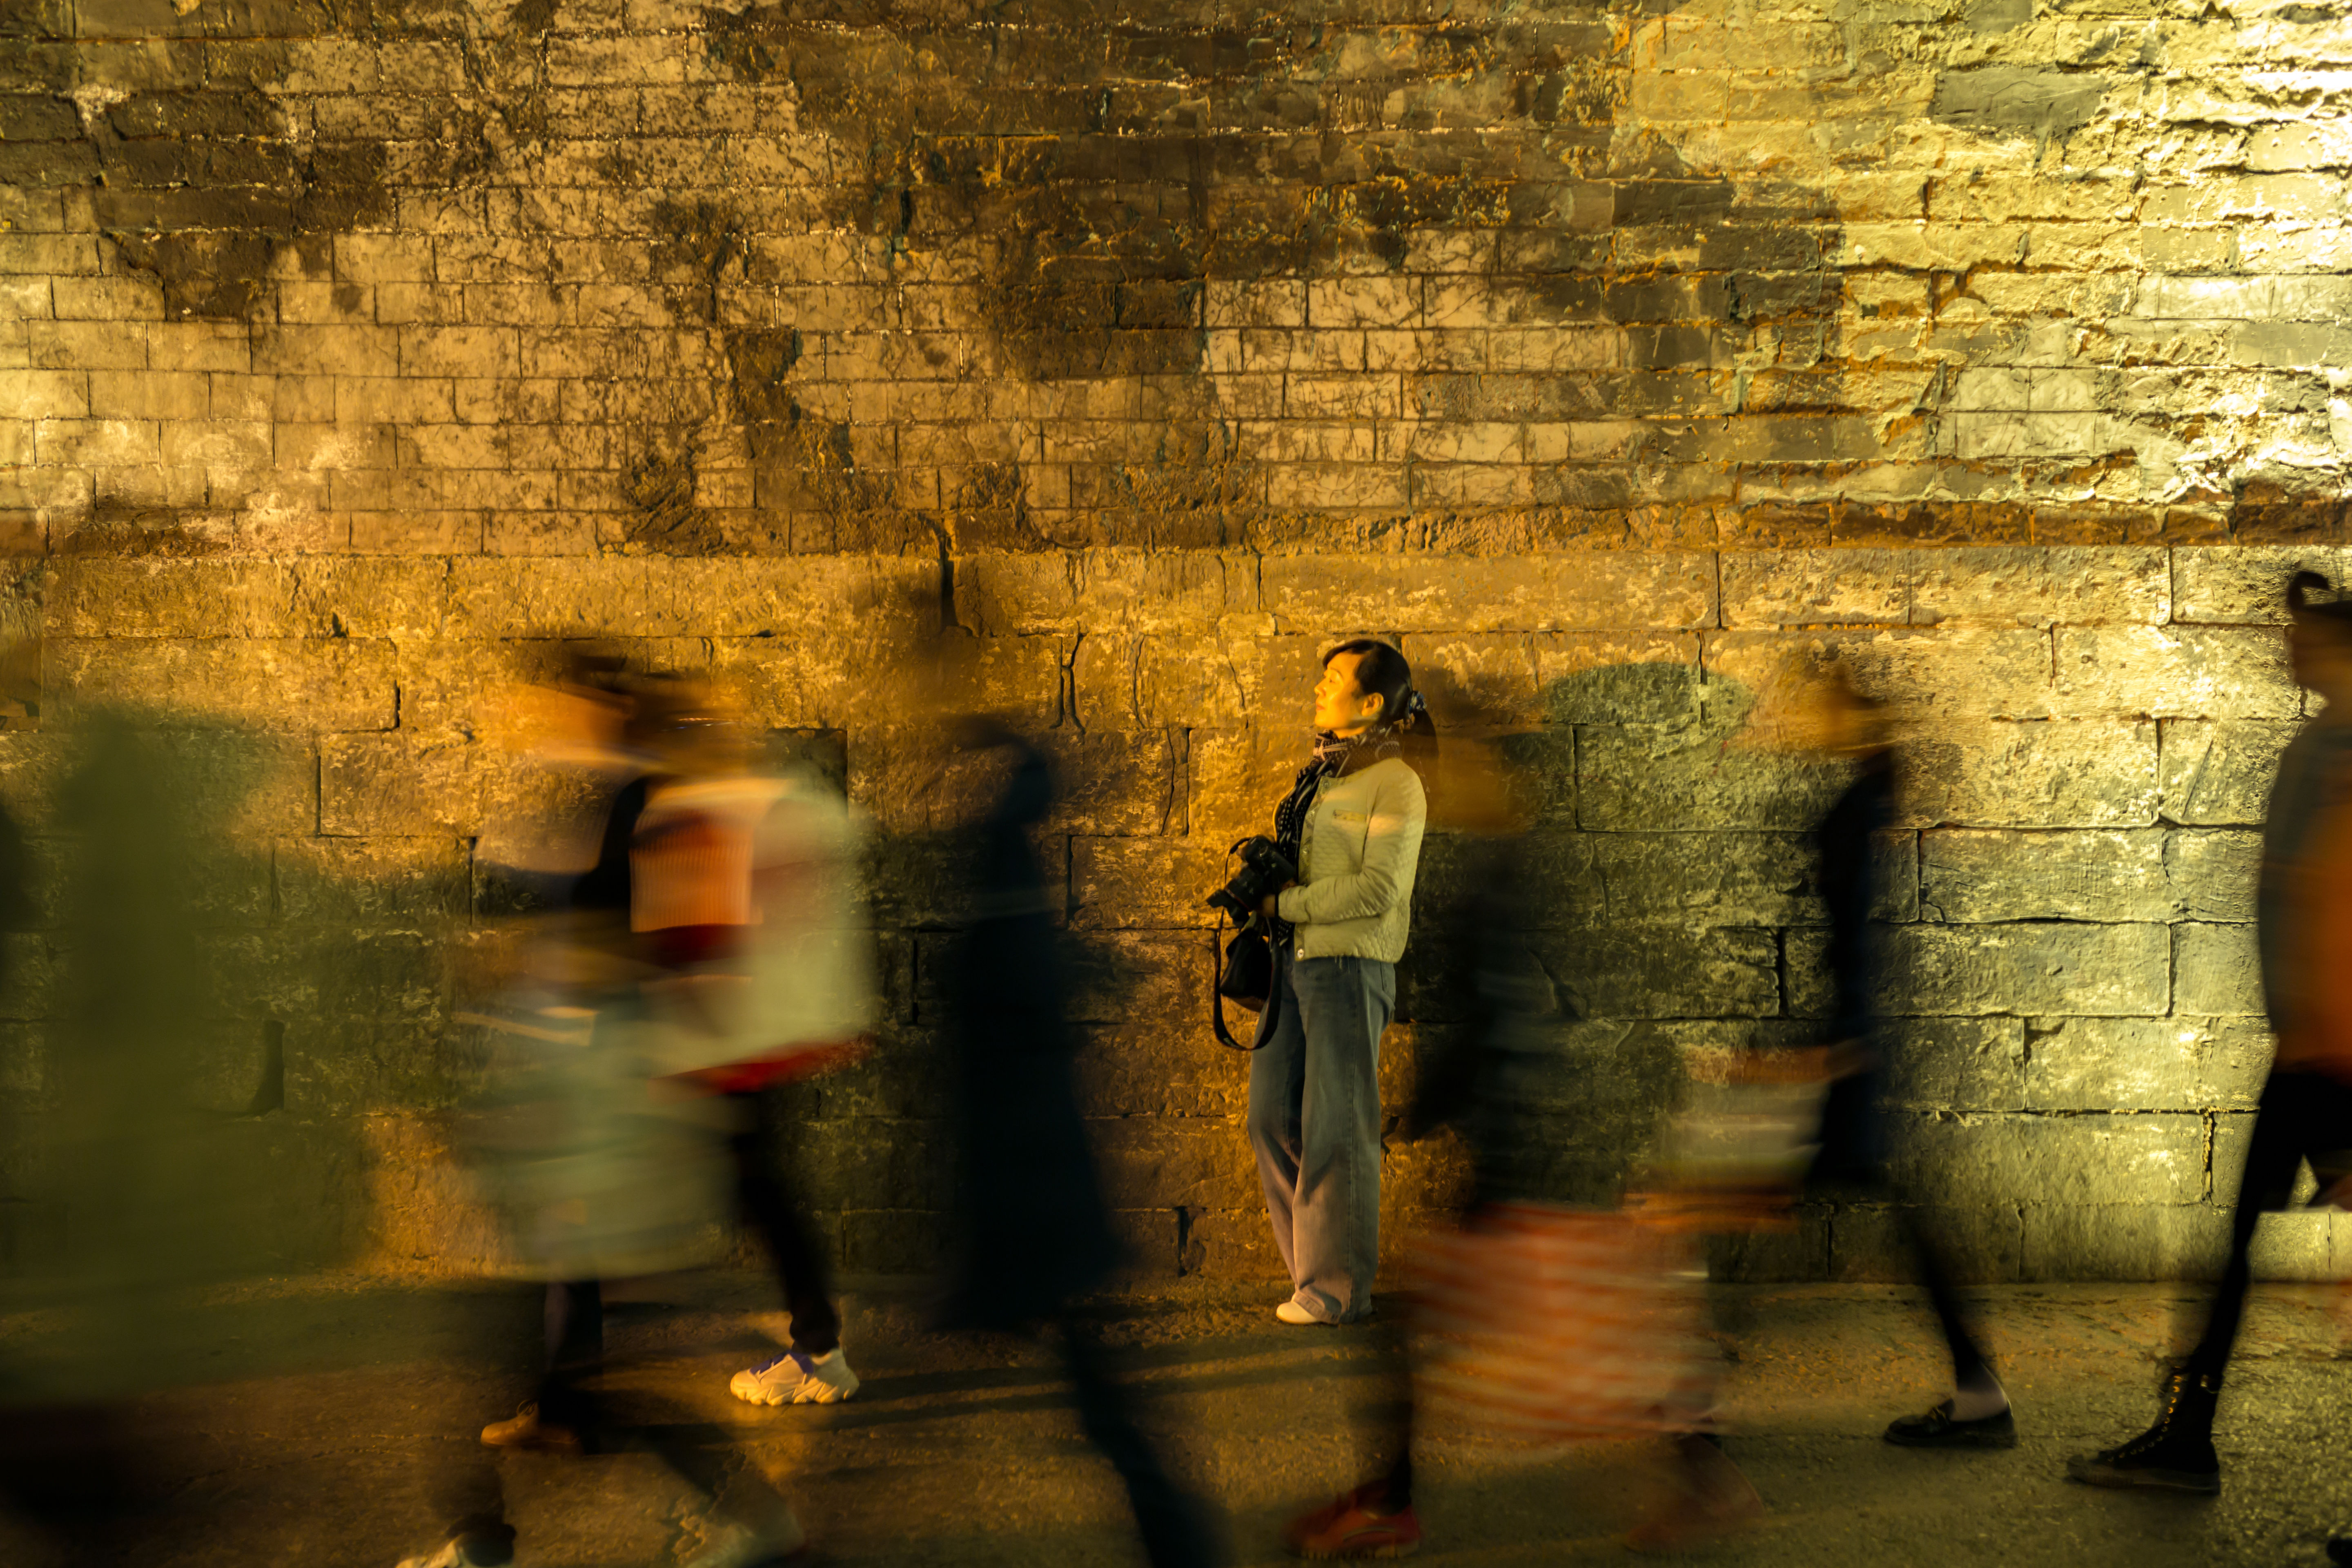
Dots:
pixel 1033 1233
pixel 1854 1152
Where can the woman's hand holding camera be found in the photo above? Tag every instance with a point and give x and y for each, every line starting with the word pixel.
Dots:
pixel 1269 905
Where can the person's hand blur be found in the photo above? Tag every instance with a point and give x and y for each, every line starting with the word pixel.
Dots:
pixel 1270 906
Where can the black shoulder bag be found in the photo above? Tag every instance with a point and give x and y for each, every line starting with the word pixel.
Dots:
pixel 1245 974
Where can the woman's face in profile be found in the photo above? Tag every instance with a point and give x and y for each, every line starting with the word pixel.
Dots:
pixel 1339 703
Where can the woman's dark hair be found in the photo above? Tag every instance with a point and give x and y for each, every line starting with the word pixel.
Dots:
pixel 2334 614
pixel 1383 673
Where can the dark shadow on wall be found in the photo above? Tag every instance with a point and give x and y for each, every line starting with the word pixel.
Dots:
pixel 1667 860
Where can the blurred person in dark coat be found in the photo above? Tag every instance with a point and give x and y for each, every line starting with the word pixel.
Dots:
pixel 1033 1234
pixel 1854 1152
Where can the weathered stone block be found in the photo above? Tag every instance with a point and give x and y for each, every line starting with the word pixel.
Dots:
pixel 1817 587
pixel 2092 970
pixel 2039 587
pixel 1718 879
pixel 2218 773
pixel 1119 681
pixel 1122 884
pixel 372 881
pixel 1768 1257
pixel 2053 1162
pixel 2216 672
pixel 2215 970
pixel 1556 874
pixel 371 595
pixel 1135 978
pixel 1169 1162
pixel 892 1241
pixel 1153 1068
pixel 1628 971
pixel 336 684
pixel 2212 875
pixel 1127 590
pixel 1957 1064
pixel 1943 676
pixel 2245 585
pixel 101 596
pixel 1599 678
pixel 2142 1064
pixel 1574 591
pixel 852 1162
pixel 1974 875
pixel 1237 778
pixel 580 596
pixel 1872 1242
pixel 2125 1241
pixel 2071 773
pixel 1692 777
pixel 398 785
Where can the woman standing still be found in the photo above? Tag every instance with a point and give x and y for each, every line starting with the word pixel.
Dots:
pixel 1352 825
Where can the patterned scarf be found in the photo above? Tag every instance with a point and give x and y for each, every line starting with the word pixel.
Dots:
pixel 1332 756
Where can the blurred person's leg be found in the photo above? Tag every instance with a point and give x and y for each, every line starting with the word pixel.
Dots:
pixel 1977 1414
pixel 1175 1527
pixel 1277 1081
pixel 813 1372
pixel 561 1415
pixel 2299 1113
pixel 1344 1006
pixel 1376 1519
pixel 492 1342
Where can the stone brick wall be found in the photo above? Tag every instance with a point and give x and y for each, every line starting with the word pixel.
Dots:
pixel 354 355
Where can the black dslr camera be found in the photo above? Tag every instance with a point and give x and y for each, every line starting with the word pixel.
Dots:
pixel 1265 870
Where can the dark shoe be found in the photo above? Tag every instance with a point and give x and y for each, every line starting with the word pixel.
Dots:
pixel 524 1429
pixel 2174 1455
pixel 2339 1549
pixel 1937 1429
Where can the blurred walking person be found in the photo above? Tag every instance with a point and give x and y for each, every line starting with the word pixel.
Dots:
pixel 1853 1153
pixel 606 1162
pixel 1352 825
pixel 1548 1316
pixel 2302 927
pixel 1033 1233
pixel 738 887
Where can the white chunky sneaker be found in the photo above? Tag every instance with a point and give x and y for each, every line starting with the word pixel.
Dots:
pixel 794 1378
pixel 1296 1316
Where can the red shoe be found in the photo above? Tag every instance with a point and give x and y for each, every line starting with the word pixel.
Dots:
pixel 1350 1526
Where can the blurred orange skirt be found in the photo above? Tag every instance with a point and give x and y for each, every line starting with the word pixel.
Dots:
pixel 1542 1324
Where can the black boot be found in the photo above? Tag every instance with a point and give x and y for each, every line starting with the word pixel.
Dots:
pixel 2176 1454
pixel 2339 1549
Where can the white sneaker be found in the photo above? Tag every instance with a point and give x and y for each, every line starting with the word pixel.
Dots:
pixel 1291 1313
pixel 739 1547
pixel 793 1378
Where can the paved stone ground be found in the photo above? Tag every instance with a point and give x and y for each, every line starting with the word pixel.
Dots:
pixel 312 1419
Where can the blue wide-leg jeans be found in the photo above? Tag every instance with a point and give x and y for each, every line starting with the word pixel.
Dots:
pixel 1315 1125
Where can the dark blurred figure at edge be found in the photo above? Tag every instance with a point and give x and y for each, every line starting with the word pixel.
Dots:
pixel 2302 928
pixel 1032 1232
pixel 1853 1157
